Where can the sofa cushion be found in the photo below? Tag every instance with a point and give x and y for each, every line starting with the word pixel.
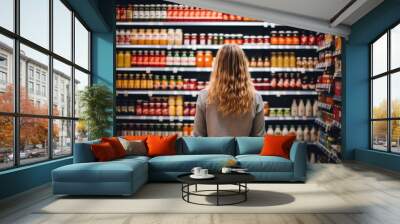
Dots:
pixel 116 145
pixel 277 145
pixel 112 171
pixel 103 152
pixel 185 163
pixel 249 145
pixel 208 145
pixel 257 163
pixel 83 152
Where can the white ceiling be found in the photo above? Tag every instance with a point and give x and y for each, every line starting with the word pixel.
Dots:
pixel 316 15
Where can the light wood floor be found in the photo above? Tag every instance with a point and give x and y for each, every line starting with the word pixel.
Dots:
pixel 351 181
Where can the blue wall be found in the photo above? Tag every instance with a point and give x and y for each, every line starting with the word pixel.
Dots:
pixel 356 107
pixel 103 63
pixel 98 15
pixel 24 178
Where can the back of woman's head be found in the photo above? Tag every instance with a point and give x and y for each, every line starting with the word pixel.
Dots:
pixel 231 88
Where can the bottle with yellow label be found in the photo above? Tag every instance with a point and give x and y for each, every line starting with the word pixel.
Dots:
pixel 150 82
pixel 131 81
pixel 120 59
pixel 143 82
pixel 127 59
pixel 137 82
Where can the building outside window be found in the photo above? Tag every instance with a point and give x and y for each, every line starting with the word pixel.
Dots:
pixel 385 94
pixel 34 67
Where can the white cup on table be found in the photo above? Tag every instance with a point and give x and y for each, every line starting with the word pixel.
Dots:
pixel 203 172
pixel 196 171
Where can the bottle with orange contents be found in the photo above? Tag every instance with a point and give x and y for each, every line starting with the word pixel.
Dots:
pixel 208 58
pixel 200 59
pixel 120 59
pixel 148 37
pixel 127 59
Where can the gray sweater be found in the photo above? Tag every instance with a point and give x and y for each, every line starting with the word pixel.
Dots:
pixel 209 122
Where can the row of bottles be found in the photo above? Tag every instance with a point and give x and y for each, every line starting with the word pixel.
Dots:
pixel 157 82
pixel 157 106
pixel 177 37
pixel 285 81
pixel 170 12
pixel 305 133
pixel 127 59
pixel 156 58
pixel 299 109
pixel 161 129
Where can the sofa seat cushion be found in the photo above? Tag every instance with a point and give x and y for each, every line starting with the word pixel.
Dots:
pixel 185 163
pixel 113 171
pixel 257 163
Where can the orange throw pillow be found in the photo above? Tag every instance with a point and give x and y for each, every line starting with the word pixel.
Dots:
pixel 135 138
pixel 116 145
pixel 103 152
pixel 161 145
pixel 277 145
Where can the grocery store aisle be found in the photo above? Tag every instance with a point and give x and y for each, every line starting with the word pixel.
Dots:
pixel 351 181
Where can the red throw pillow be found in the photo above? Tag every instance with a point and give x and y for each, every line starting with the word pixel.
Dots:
pixel 135 138
pixel 116 145
pixel 161 145
pixel 277 145
pixel 103 152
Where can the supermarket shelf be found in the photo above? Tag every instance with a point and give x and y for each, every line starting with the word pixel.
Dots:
pixel 337 98
pixel 324 47
pixel 194 93
pixel 289 118
pixel 191 118
pixel 323 65
pixel 336 124
pixel 199 69
pixel 195 47
pixel 325 105
pixel 157 92
pixel 323 87
pixel 196 23
pixel 330 153
pixel 322 123
pixel 159 118
pixel 337 75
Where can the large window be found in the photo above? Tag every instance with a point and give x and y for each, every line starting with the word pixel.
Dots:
pixel 44 64
pixel 385 93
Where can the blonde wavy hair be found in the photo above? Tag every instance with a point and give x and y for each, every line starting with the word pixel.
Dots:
pixel 231 88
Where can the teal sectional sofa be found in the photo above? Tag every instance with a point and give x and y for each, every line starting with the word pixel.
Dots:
pixel 125 176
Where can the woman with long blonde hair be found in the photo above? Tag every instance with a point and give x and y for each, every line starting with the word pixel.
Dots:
pixel 229 106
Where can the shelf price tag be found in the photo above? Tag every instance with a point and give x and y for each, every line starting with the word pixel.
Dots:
pixel 148 70
pixel 169 47
pixel 174 70
pixel 171 118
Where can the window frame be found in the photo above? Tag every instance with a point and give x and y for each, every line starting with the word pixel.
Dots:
pixel 388 74
pixel 15 68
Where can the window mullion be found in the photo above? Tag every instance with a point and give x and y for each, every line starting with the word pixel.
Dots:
pixel 389 101
pixel 50 81
pixel 16 85
pixel 73 81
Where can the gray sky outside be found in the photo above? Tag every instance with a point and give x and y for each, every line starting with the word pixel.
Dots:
pixel 34 26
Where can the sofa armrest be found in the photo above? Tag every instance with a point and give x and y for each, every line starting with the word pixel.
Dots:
pixel 83 152
pixel 298 155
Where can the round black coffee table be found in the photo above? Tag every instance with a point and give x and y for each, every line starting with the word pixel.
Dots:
pixel 238 179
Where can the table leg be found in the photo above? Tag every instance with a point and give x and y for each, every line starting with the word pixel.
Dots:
pixel 195 188
pixel 245 193
pixel 217 194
